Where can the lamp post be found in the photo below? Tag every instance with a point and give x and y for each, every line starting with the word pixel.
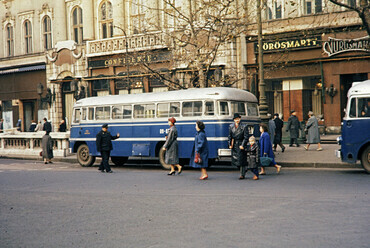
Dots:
pixel 126 56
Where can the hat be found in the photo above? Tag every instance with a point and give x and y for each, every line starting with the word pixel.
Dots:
pixel 276 114
pixel 236 115
pixel 292 111
pixel 105 125
pixel 172 119
pixel 310 113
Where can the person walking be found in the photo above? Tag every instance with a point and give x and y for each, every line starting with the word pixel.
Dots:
pixel 293 126
pixel 19 125
pixel 62 126
pixel 312 127
pixel 253 157
pixel 266 148
pixel 47 148
pixel 32 126
pixel 47 126
pixel 199 154
pixel 172 148
pixel 272 128
pixel 104 146
pixel 39 127
pixel 278 132
pixel 1 125
pixel 238 138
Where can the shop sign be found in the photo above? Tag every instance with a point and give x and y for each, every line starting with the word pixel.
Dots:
pixel 124 60
pixel 289 44
pixel 335 46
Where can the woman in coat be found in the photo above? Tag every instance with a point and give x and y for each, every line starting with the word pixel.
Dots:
pixel 171 148
pixel 312 127
pixel 238 138
pixel 266 148
pixel 47 148
pixel 201 147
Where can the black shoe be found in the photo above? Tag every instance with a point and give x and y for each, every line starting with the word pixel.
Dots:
pixel 283 149
pixel 102 170
pixel 298 145
pixel 290 145
pixel 110 171
pixel 171 173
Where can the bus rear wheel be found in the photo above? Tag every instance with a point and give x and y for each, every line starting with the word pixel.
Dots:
pixel 162 154
pixel 119 161
pixel 83 156
pixel 365 159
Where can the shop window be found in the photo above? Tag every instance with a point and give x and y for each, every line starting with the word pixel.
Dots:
pixel 100 87
pixel 27 36
pixel 9 40
pixel 238 107
pixel 77 25
pixel 102 113
pixel 209 108
pixel 106 20
pixel 192 108
pixel 224 108
pixel 47 32
pixel 144 111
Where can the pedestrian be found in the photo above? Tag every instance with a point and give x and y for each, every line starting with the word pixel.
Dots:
pixel 293 126
pixel 39 127
pixel 266 148
pixel 62 126
pixel 47 126
pixel 104 146
pixel 199 154
pixel 19 125
pixel 312 127
pixel 47 148
pixel 172 148
pixel 1 125
pixel 238 138
pixel 278 132
pixel 253 157
pixel 32 126
pixel 272 128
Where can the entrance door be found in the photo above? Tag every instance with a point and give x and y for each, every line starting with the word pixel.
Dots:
pixel 68 108
pixel 29 114
pixel 345 84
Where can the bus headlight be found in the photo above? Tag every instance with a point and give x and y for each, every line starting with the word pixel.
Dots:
pixel 339 140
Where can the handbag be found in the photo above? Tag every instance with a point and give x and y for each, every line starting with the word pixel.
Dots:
pixel 40 154
pixel 265 160
pixel 197 158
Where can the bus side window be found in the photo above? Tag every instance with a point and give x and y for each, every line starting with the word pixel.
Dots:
pixel 162 110
pixel 91 113
pixel 175 109
pixel 84 114
pixel 127 111
pixel 149 111
pixel 117 112
pixel 210 108
pixel 138 111
pixel 224 108
pixel 102 113
pixel 252 109
pixel 363 107
pixel 352 108
pixel 238 107
pixel 192 108
pixel 77 116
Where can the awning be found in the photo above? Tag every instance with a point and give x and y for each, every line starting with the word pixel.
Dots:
pixel 23 69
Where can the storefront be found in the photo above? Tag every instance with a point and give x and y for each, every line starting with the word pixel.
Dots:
pixel 311 72
pixel 23 95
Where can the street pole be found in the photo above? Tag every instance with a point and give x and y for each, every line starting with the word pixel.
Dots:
pixel 126 58
pixel 261 85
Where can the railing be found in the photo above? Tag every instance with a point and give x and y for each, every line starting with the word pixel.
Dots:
pixel 29 144
pixel 138 42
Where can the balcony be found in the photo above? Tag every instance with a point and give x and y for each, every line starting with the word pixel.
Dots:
pixel 135 43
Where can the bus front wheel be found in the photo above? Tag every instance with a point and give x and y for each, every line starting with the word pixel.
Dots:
pixel 119 161
pixel 83 156
pixel 365 159
pixel 162 154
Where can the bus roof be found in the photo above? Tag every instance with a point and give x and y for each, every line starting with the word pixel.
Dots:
pixel 359 88
pixel 221 93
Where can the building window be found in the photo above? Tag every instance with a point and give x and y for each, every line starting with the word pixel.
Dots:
pixel 106 20
pixel 278 10
pixel 77 25
pixel 137 16
pixel 47 32
pixel 28 36
pixel 352 3
pixel 273 9
pixel 312 6
pixel 100 87
pixel 9 40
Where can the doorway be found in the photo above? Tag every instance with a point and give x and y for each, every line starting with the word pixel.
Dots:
pixel 345 84
pixel 29 114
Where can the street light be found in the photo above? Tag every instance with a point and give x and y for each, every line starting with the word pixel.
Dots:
pixel 126 56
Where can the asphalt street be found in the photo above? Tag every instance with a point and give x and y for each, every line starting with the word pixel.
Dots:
pixel 65 205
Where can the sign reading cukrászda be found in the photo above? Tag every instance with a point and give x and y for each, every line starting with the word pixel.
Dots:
pixel 335 46
pixel 289 44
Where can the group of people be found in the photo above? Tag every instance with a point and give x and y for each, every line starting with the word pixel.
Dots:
pixel 40 127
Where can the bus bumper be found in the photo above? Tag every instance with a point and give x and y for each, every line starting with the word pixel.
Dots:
pixel 224 152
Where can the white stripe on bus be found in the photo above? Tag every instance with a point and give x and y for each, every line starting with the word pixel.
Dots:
pixel 151 139
pixel 148 124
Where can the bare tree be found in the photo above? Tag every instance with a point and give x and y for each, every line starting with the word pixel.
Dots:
pixel 363 11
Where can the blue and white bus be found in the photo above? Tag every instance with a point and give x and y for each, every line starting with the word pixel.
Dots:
pixel 355 139
pixel 142 121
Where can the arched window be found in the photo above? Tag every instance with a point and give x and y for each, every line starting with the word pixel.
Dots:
pixel 46 29
pixel 27 36
pixel 77 23
pixel 106 20
pixel 9 40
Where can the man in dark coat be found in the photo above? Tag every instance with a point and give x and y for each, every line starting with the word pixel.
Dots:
pixel 293 126
pixel 278 132
pixel 47 126
pixel 238 139
pixel 32 126
pixel 104 146
pixel 1 125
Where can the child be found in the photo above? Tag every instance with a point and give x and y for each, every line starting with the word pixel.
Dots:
pixel 253 158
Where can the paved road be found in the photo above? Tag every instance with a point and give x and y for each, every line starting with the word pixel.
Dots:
pixel 64 205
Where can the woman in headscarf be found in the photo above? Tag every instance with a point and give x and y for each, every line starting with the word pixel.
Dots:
pixel 171 148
